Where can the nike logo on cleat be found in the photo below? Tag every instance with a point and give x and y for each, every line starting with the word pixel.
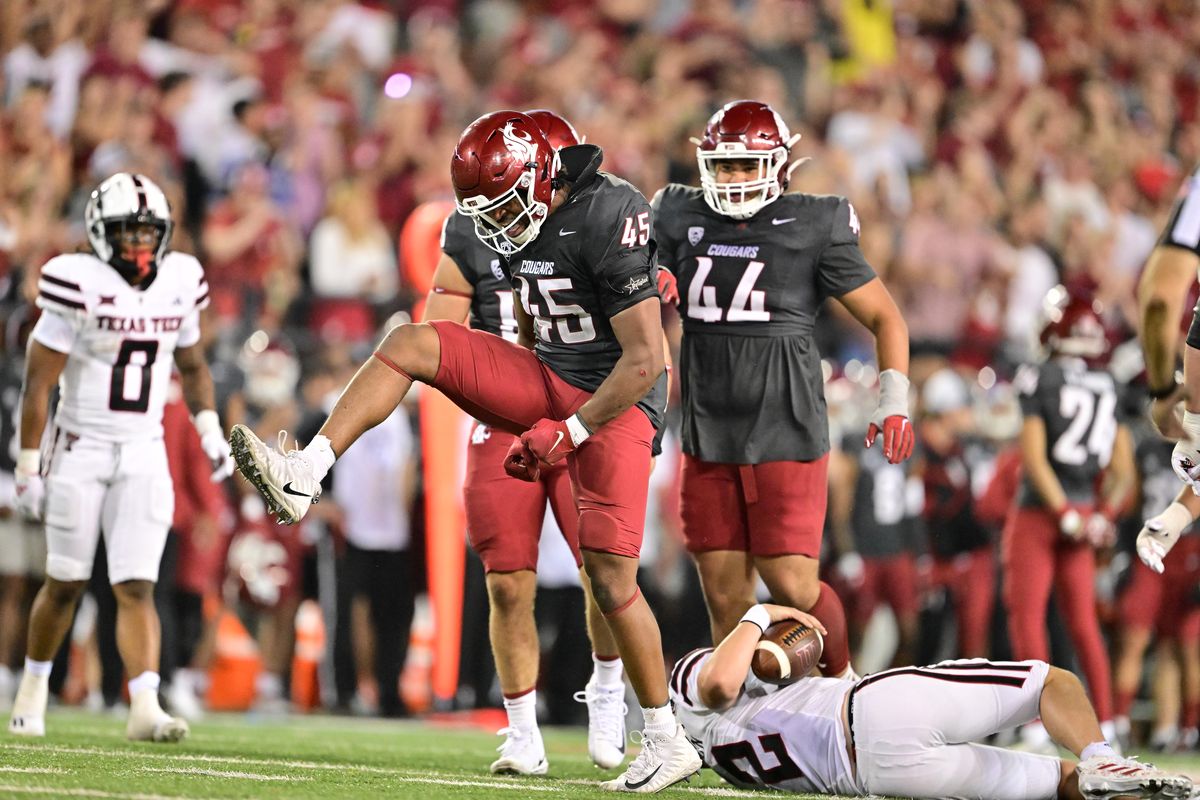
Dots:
pixel 287 488
pixel 643 781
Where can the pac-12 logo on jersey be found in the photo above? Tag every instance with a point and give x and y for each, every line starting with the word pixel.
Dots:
pixel 695 234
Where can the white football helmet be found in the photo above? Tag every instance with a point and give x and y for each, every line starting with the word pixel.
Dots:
pixel 127 199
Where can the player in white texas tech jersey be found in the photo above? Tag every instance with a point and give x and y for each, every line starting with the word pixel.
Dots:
pixel 908 732
pixel 113 324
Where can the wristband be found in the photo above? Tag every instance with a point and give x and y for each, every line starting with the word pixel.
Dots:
pixel 758 616
pixel 207 422
pixel 578 429
pixel 1176 517
pixel 1165 392
pixel 893 393
pixel 29 461
pixel 1191 425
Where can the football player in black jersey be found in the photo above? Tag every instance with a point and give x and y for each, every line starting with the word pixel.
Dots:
pixel 754 266
pixel 1072 440
pixel 584 382
pixel 504 515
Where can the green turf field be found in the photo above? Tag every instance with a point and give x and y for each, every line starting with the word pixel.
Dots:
pixel 236 756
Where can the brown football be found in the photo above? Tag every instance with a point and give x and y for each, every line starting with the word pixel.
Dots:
pixel 787 651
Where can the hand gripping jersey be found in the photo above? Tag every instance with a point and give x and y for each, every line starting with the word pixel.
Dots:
pixel 1081 409
pixel 593 259
pixel 788 738
pixel 492 302
pixel 120 341
pixel 749 292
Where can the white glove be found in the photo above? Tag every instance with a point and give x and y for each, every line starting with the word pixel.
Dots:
pixel 1071 523
pixel 31 489
pixel 1160 533
pixel 1099 530
pixel 214 444
pixel 1185 459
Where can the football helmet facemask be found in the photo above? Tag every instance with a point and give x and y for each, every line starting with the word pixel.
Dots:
pixel 503 172
pixel 125 207
pixel 745 130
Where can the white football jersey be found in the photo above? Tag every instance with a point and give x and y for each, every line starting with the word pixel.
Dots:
pixel 787 738
pixel 120 341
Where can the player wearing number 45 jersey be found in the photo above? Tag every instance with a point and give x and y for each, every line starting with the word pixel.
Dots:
pixel 504 515
pixel 908 732
pixel 582 383
pixel 113 323
pixel 1071 438
pixel 754 265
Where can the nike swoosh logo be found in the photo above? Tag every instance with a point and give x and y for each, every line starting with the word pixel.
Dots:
pixel 556 441
pixel 287 488
pixel 567 233
pixel 643 781
pixel 782 221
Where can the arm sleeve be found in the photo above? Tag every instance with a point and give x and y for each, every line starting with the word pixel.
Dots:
pixel 625 270
pixel 842 267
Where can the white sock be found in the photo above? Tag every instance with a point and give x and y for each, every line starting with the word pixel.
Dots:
pixel 320 452
pixel 522 711
pixel 39 669
pixel 147 681
pixel 606 672
pixel 659 721
pixel 1097 749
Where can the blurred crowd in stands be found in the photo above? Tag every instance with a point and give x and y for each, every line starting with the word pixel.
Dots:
pixel 991 149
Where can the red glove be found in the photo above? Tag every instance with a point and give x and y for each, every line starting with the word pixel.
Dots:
pixel 549 441
pixel 520 463
pixel 668 287
pixel 898 437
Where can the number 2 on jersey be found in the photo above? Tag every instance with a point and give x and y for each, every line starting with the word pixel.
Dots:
pixel 702 300
pixel 727 756
pixel 1092 415
pixel 118 399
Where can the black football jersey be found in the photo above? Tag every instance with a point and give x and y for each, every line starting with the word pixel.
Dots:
pixel 888 500
pixel 1183 226
pixel 1081 409
pixel 592 259
pixel 492 301
pixel 749 370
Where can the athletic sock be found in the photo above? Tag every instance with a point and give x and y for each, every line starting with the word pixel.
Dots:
pixel 1097 749
pixel 522 710
pixel 659 721
pixel 606 672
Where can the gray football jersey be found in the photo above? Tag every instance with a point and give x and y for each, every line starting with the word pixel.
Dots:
pixel 749 370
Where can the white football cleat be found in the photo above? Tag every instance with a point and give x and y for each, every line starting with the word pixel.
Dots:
pixel 1103 777
pixel 521 753
pixel 286 482
pixel 606 723
pixel 664 761
pixel 29 707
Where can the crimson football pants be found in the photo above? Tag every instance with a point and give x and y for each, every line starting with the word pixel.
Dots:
pixel 504 515
pixel 505 385
pixel 1038 557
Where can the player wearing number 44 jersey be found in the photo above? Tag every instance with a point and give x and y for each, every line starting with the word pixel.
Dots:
pixel 583 382
pixel 1071 441
pixel 113 322
pixel 908 732
pixel 754 265
pixel 504 515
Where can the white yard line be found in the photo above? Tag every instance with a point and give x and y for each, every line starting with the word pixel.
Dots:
pixel 33 770
pixel 219 773
pixel 203 759
pixel 56 791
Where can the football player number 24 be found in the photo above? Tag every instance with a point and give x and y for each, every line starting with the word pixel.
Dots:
pixel 748 304
pixel 130 386
pixel 1093 426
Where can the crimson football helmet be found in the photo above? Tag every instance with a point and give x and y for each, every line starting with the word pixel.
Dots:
pixel 559 132
pixel 1073 325
pixel 503 173
pixel 745 130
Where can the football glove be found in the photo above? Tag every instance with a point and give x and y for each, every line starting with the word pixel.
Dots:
pixel 1160 534
pixel 31 489
pixel 891 418
pixel 214 445
pixel 1099 530
pixel 521 463
pixel 1185 459
pixel 1072 523
pixel 549 440
pixel 668 287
